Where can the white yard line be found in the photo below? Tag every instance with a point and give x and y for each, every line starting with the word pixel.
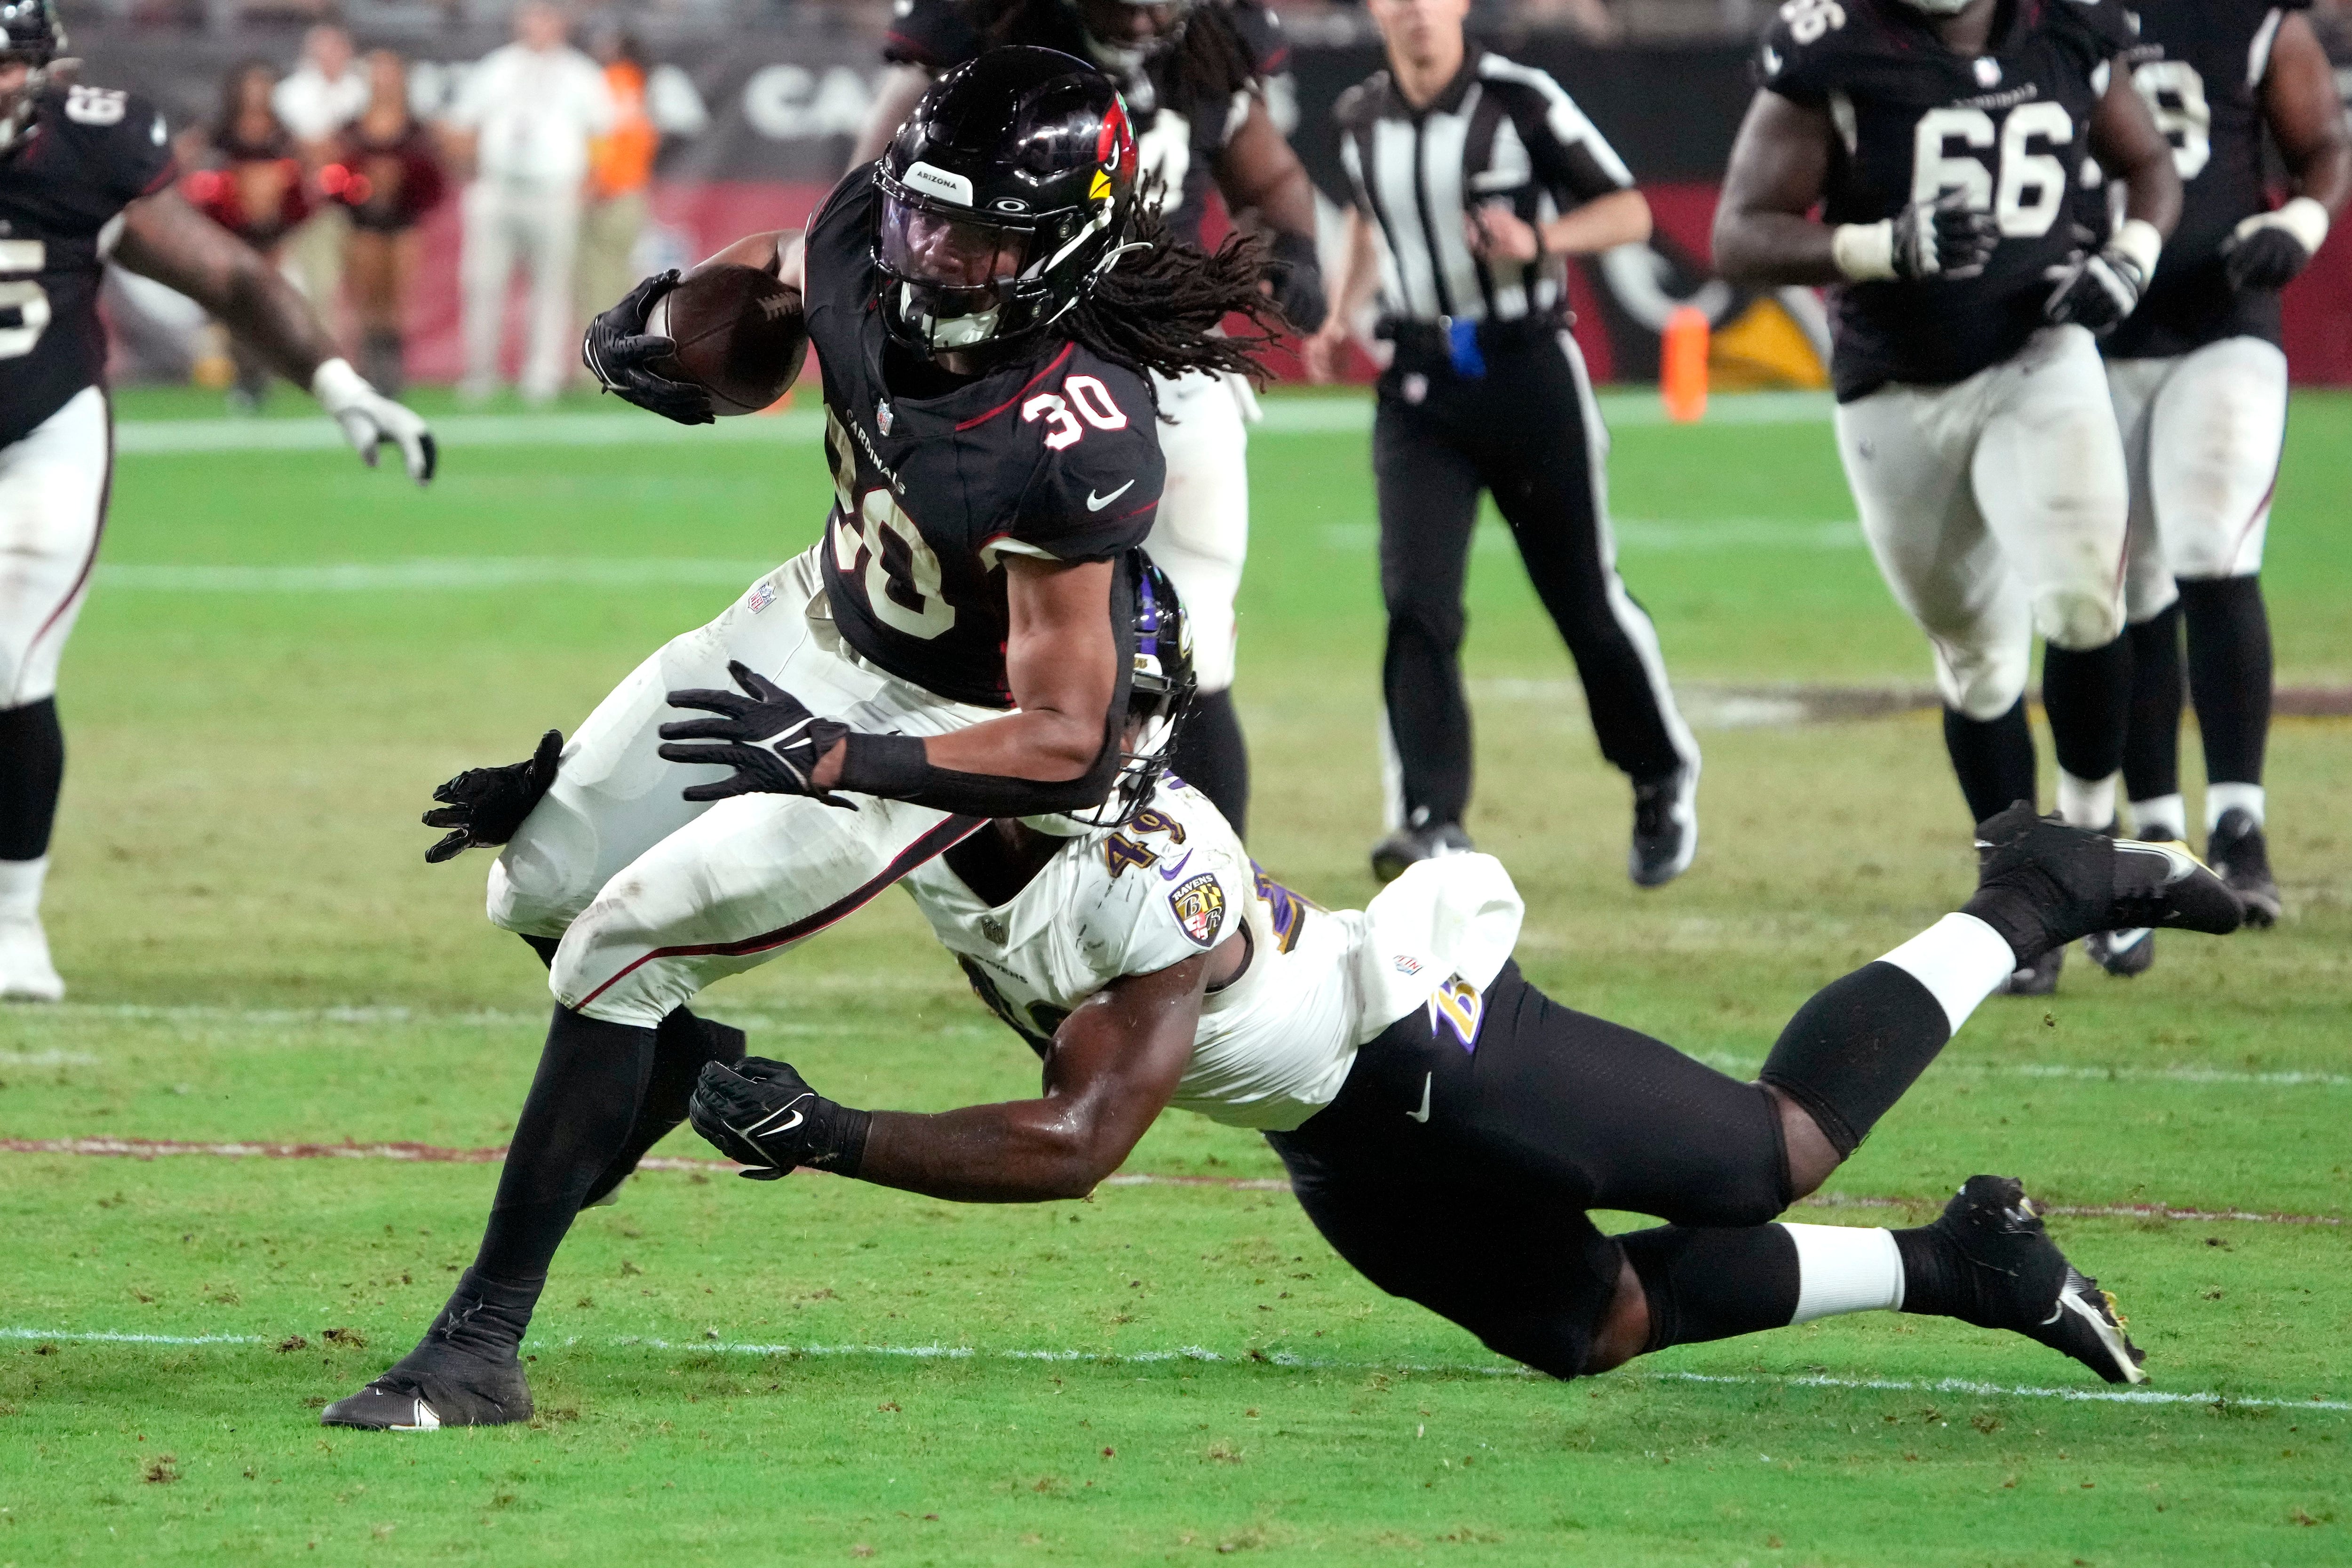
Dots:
pixel 1288 1361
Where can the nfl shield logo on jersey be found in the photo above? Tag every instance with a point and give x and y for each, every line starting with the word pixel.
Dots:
pixel 1199 906
pixel 882 415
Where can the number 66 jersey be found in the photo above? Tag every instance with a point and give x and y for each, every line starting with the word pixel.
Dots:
pixel 1053 454
pixel 2008 130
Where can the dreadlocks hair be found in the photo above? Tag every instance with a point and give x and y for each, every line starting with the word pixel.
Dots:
pixel 1157 306
pixel 1208 61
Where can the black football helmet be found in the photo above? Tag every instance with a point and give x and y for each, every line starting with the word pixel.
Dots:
pixel 1008 191
pixel 30 34
pixel 1158 695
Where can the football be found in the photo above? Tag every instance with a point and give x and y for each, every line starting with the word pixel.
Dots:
pixel 739 333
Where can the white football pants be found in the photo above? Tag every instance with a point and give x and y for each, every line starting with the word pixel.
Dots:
pixel 1996 508
pixel 53 486
pixel 1201 536
pixel 539 225
pixel 2202 434
pixel 655 896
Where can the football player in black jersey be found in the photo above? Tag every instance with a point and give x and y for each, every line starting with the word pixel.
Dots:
pixel 2200 385
pixel 986 303
pixel 85 175
pixel 1203 80
pixel 1943 139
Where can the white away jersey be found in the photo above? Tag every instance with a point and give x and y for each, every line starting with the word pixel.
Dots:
pixel 1275 1045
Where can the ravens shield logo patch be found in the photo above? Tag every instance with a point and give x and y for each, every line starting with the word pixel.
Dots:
pixel 1199 906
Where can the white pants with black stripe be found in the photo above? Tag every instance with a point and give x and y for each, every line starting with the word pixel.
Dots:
pixel 52 507
pixel 1528 432
pixel 1996 510
pixel 2202 434
pixel 655 896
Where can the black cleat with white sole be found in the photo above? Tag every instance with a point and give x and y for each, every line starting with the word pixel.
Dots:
pixel 1665 827
pixel 2042 884
pixel 2240 856
pixel 2126 954
pixel 1999 1269
pixel 1410 845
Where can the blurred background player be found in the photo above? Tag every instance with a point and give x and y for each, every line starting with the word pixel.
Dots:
pixel 324 92
pixel 620 170
pixel 2199 387
pixel 386 175
pixel 85 175
pixel 1195 75
pixel 1473 176
pixel 246 175
pixel 1941 139
pixel 523 121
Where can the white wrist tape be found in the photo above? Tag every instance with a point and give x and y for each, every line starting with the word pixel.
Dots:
pixel 2138 239
pixel 337 385
pixel 2302 217
pixel 1864 251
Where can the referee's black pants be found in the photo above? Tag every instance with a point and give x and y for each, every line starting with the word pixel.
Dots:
pixel 1526 432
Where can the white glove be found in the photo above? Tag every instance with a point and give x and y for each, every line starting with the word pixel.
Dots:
pixel 369 418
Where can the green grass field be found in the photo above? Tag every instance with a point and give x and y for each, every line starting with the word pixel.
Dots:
pixel 283 654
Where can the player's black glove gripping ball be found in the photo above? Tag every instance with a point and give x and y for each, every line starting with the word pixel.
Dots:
pixel 773 741
pixel 764 1115
pixel 482 807
pixel 1946 239
pixel 617 351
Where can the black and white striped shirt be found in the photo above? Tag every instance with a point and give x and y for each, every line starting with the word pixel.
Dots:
pixel 1500 133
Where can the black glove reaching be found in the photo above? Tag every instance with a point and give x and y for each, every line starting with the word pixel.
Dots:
pixel 482 807
pixel 2263 254
pixel 1947 239
pixel 795 739
pixel 617 350
pixel 764 1115
pixel 1295 271
pixel 2096 290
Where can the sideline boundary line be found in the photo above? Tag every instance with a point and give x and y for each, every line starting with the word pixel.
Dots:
pixel 437 1154
pixel 1290 1361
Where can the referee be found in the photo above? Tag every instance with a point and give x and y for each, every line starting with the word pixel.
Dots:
pixel 1473 178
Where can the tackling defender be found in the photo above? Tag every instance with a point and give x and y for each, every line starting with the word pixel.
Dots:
pixel 1445 1124
pixel 85 177
pixel 2199 388
pixel 1942 139
pixel 984 302
pixel 1196 75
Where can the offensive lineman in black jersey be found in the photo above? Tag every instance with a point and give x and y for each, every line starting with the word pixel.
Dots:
pixel 1943 139
pixel 2199 387
pixel 1200 76
pixel 86 176
pixel 984 302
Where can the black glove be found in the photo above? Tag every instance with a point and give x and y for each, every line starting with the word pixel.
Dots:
pixel 2264 257
pixel 2096 290
pixel 1296 270
pixel 796 739
pixel 616 350
pixel 482 807
pixel 764 1116
pixel 1945 239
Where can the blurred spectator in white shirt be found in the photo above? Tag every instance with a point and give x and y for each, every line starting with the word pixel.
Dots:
pixel 323 94
pixel 525 114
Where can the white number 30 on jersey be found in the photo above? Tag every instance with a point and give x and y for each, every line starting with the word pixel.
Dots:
pixel 1088 395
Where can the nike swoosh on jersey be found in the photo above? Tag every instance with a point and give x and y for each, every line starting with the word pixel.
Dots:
pixel 1170 873
pixel 1423 1114
pixel 1096 502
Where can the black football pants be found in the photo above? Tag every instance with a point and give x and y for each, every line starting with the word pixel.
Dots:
pixel 1520 432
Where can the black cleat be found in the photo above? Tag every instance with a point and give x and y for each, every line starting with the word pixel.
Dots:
pixel 434 1385
pixel 2043 884
pixel 1665 827
pixel 1410 846
pixel 2008 1274
pixel 2038 978
pixel 2126 954
pixel 2240 856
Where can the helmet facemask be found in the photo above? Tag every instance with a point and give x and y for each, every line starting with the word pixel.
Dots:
pixel 30 36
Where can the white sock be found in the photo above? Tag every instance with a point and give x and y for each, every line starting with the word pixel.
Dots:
pixel 1844 1268
pixel 2087 803
pixel 1960 960
pixel 20 887
pixel 2222 797
pixel 2161 817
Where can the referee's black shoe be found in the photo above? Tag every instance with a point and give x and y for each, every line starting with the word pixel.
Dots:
pixel 1665 826
pixel 1409 845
